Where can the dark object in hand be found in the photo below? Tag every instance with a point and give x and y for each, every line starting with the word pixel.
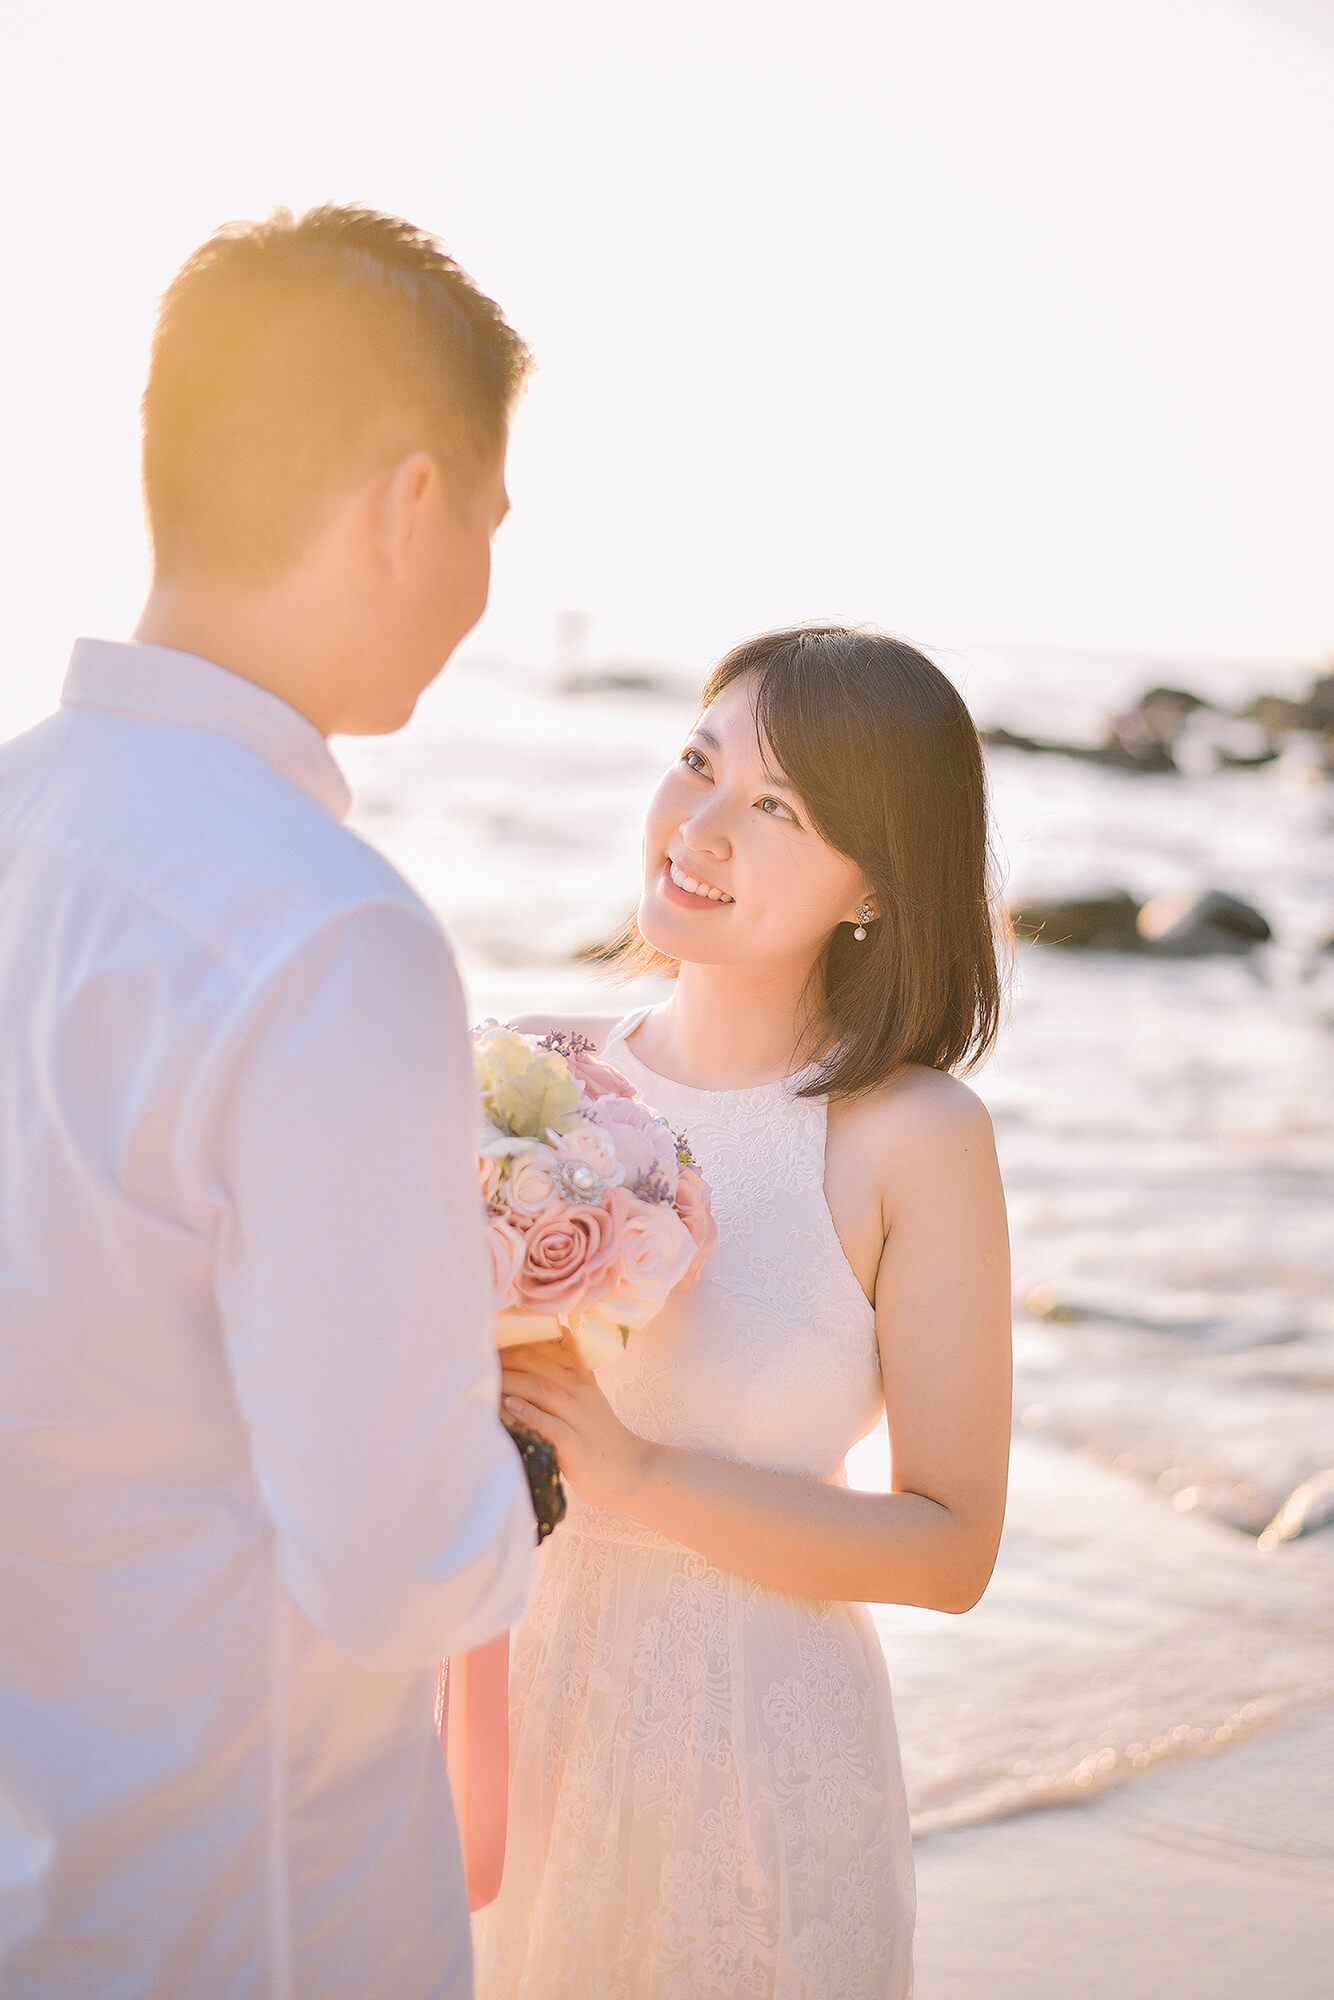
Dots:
pixel 543 1468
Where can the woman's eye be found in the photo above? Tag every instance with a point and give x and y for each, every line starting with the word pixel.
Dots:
pixel 693 761
pixel 775 809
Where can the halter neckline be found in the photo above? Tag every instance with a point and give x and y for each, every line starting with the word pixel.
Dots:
pixel 624 1029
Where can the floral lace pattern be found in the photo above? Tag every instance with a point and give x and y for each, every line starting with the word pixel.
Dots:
pixel 706 1799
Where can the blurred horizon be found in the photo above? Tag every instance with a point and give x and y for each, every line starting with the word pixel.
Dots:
pixel 1004 330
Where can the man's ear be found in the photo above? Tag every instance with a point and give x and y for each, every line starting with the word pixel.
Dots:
pixel 409 489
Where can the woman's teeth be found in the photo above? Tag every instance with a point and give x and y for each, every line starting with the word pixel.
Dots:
pixel 697 888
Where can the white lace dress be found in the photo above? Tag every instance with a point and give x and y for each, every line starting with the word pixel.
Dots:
pixel 705 1792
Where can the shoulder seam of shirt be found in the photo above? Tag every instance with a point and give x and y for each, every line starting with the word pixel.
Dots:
pixel 411 904
pixel 149 717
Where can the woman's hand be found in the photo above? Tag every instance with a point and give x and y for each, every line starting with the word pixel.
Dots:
pixel 547 1387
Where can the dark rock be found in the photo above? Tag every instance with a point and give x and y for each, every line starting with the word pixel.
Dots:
pixel 1214 924
pixel 1143 739
pixel 1124 752
pixel 1198 926
pixel 1080 923
pixel 1275 713
pixel 1162 710
pixel 1005 739
pixel 1279 716
pixel 1320 704
pixel 1146 757
pixel 1140 740
pixel 1148 736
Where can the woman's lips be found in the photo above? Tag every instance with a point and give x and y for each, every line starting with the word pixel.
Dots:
pixel 690 899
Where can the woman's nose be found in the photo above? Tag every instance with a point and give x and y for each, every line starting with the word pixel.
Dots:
pixel 706 831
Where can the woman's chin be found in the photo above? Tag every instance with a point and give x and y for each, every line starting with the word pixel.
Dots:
pixel 656 926
pixel 681 940
pixel 661 937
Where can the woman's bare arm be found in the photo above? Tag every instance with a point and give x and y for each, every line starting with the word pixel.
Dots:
pixel 942 1318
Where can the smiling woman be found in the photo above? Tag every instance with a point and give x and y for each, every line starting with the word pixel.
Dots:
pixel 705 1782
pixel 833 770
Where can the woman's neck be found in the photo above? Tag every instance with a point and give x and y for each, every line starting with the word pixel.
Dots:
pixel 727 1027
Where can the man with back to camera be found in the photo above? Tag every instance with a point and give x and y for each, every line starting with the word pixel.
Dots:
pixel 252 1476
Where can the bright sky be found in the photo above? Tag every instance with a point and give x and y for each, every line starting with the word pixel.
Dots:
pixel 990 323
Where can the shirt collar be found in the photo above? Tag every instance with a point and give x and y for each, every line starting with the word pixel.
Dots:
pixel 159 684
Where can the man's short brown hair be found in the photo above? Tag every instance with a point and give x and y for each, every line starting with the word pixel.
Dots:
pixel 292 358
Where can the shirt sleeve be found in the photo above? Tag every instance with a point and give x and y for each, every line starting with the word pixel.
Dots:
pixel 356 1301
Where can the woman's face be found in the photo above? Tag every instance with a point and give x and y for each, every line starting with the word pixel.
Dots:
pixel 734 872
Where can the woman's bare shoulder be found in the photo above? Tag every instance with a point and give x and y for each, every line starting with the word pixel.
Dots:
pixel 922 1142
pixel 925 1106
pixel 594 1027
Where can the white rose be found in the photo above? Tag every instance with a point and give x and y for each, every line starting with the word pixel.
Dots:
pixel 529 1190
pixel 588 1145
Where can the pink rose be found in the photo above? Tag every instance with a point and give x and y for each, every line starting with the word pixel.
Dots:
pixel 529 1191
pixel 656 1250
pixel 644 1146
pixel 566 1253
pixel 694 1206
pixel 506 1245
pixel 598 1078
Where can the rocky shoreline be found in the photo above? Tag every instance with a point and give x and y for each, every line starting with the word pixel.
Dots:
pixel 1173 732
pixel 1211 924
pixel 1172 729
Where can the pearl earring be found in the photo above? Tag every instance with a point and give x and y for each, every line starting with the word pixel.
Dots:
pixel 864 917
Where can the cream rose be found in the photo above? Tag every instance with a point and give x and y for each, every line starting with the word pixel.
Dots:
pixel 529 1191
pixel 588 1145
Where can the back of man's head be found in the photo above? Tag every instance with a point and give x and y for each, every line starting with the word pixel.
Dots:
pixel 293 359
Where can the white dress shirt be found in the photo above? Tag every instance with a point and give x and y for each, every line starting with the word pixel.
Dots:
pixel 252 1479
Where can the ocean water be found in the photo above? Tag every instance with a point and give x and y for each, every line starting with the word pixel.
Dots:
pixel 1166 1131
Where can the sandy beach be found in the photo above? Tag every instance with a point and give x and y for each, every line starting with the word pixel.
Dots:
pixel 1211 1879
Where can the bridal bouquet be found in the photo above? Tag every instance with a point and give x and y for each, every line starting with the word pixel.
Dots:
pixel 596 1211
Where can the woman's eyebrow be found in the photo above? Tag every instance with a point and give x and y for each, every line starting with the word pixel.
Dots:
pixel 703 734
